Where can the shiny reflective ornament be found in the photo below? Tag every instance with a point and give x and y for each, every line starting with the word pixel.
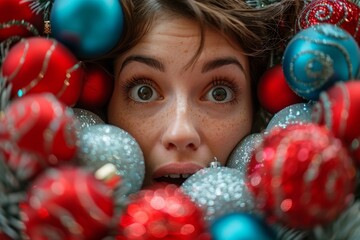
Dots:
pixel 241 226
pixel 319 56
pixel 162 212
pixel 86 118
pixel 219 191
pixel 342 13
pixel 68 203
pixel 102 143
pixel 43 65
pixel 294 114
pixel 339 109
pixel 89 27
pixel 41 124
pixel 302 176
pixel 241 155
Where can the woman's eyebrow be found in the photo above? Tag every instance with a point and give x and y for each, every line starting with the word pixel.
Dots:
pixel 149 61
pixel 220 62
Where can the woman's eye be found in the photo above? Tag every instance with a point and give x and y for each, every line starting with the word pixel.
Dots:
pixel 220 94
pixel 143 93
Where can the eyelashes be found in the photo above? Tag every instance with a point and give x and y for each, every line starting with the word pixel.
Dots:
pixel 127 87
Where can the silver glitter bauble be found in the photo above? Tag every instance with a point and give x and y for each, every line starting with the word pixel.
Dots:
pixel 294 114
pixel 242 153
pixel 86 118
pixel 101 144
pixel 219 191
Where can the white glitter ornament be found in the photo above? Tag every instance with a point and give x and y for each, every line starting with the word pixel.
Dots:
pixel 241 155
pixel 298 113
pixel 86 118
pixel 219 191
pixel 101 144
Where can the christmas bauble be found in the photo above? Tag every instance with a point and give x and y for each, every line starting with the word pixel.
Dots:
pixel 100 144
pixel 162 212
pixel 68 203
pixel 37 65
pixel 39 123
pixel 86 118
pixel 294 114
pixel 89 27
pixel 342 13
pixel 219 191
pixel 25 165
pixel 302 176
pixel 18 20
pixel 339 109
pixel 97 89
pixel 241 155
pixel 274 92
pixel 241 226
pixel 319 56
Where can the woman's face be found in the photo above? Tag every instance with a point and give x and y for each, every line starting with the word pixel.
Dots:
pixel 182 116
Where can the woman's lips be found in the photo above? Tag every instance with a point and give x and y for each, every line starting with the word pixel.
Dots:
pixel 176 170
pixel 175 173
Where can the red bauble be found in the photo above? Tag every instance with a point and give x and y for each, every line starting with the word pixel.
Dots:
pixel 163 212
pixel 18 20
pixel 98 85
pixel 68 203
pixel 339 109
pixel 25 165
pixel 274 92
pixel 39 123
pixel 37 65
pixel 302 176
pixel 343 13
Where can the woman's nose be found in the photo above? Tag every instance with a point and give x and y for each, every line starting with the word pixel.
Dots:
pixel 180 132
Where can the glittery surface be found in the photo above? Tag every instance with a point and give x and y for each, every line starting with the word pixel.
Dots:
pixel 86 118
pixel 294 114
pixel 101 144
pixel 219 191
pixel 241 155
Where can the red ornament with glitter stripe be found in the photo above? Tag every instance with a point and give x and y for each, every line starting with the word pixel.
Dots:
pixel 68 203
pixel 302 176
pixel 17 20
pixel 342 13
pixel 36 65
pixel 40 124
pixel 339 109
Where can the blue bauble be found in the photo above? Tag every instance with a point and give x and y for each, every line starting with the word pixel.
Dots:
pixel 319 56
pixel 89 28
pixel 241 226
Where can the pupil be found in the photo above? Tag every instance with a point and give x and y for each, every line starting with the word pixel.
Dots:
pixel 219 94
pixel 145 93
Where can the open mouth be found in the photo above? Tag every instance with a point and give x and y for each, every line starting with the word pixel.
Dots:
pixel 177 179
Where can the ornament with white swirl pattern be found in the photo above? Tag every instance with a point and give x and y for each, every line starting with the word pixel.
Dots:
pixel 319 56
pixel 342 13
pixel 302 176
pixel 339 109
pixel 68 203
pixel 40 124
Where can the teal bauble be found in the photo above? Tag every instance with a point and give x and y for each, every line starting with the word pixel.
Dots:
pixel 318 57
pixel 90 28
pixel 241 226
